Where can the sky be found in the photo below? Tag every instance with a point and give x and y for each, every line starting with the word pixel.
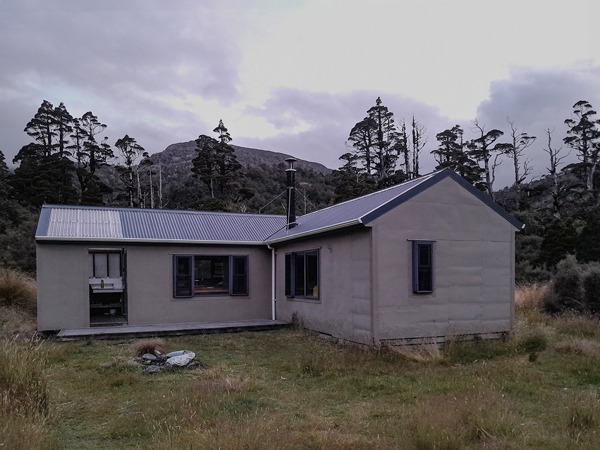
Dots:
pixel 294 76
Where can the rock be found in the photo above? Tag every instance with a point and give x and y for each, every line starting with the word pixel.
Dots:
pixel 152 369
pixel 148 357
pixel 181 358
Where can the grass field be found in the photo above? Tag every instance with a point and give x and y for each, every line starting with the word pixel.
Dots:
pixel 289 389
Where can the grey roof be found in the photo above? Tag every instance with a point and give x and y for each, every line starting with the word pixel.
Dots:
pixel 367 208
pixel 81 223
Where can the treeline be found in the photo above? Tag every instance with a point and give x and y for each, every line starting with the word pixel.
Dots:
pixel 561 210
pixel 67 163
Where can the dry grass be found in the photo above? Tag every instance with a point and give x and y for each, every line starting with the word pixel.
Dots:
pixel 583 347
pixel 24 395
pixel 529 301
pixel 148 346
pixel 17 289
pixel 16 323
pixel 425 351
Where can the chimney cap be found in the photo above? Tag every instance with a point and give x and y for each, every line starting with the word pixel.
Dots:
pixel 291 160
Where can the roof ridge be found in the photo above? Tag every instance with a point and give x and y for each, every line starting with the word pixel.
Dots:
pixel 157 210
pixel 379 191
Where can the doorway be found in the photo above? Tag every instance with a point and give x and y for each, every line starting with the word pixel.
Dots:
pixel 107 286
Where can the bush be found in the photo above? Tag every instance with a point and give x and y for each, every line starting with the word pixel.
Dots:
pixel 17 289
pixel 566 293
pixel 591 287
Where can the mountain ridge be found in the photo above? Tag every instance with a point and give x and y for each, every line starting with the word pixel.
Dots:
pixel 181 154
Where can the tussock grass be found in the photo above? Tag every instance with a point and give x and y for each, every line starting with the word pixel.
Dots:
pixel 289 389
pixel 585 347
pixel 24 395
pixel 529 301
pixel 148 346
pixel 17 289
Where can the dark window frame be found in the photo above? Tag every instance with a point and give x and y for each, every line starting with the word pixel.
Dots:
pixel 299 272
pixel 422 267
pixel 184 281
pixel 107 252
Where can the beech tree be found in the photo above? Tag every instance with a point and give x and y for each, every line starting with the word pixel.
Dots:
pixel 45 174
pixel 418 143
pixel 130 152
pixel 484 149
pixel 584 138
pixel 42 128
pixel 520 141
pixel 451 153
pixel 559 187
pixel 216 164
pixel 377 144
pixel 63 124
pixel 4 175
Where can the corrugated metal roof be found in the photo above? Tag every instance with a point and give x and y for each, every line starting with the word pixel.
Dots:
pixel 348 213
pixel 154 225
pixel 367 208
pixel 157 225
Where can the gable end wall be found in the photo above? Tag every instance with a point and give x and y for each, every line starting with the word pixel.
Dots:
pixel 473 266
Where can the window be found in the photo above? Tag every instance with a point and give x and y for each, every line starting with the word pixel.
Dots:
pixel 198 275
pixel 422 270
pixel 105 263
pixel 302 274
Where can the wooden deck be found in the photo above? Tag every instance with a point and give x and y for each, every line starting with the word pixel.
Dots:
pixel 174 329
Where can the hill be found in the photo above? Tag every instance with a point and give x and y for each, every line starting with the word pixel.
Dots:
pixel 180 155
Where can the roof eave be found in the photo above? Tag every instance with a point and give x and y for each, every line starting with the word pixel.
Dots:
pixel 321 230
pixel 142 241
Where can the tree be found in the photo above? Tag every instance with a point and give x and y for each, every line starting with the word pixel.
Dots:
pixel 350 180
pixel 482 150
pixel 42 128
pixel 63 124
pixel 452 154
pixel 418 143
pixel 4 177
pixel 584 137
pixel 130 151
pixel 520 141
pixel 94 153
pixel 45 174
pixel 216 164
pixel 559 187
pixel 377 144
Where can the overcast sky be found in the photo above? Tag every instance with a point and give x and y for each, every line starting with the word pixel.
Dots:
pixel 295 75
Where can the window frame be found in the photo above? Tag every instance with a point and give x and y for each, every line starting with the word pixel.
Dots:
pixel 235 280
pixel 292 274
pixel 422 268
pixel 95 272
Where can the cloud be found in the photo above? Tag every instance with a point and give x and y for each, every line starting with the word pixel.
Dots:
pixel 538 100
pixel 316 125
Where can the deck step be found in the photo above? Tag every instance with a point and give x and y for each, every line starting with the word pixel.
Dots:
pixel 172 329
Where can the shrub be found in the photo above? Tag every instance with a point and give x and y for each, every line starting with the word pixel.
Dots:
pixel 17 289
pixel 591 287
pixel 565 293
